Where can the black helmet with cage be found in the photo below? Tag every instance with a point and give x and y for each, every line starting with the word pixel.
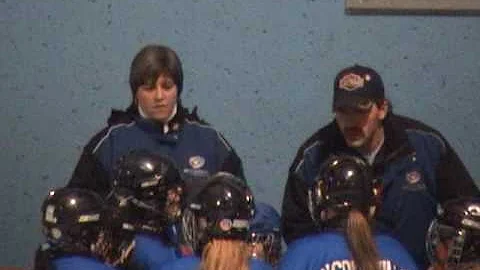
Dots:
pixel 73 219
pixel 343 183
pixel 147 191
pixel 78 221
pixel 222 209
pixel 454 235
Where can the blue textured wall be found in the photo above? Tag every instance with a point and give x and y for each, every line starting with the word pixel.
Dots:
pixel 260 71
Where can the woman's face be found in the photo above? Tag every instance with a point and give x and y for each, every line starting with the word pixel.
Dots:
pixel 158 101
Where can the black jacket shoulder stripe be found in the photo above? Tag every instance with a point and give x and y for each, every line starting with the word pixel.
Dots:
pixel 432 134
pixel 100 142
pixel 224 141
pixel 307 149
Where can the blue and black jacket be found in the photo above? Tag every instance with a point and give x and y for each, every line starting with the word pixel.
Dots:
pixel 197 149
pixel 418 169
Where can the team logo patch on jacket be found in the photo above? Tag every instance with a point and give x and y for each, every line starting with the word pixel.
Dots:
pixel 196 162
pixel 414 181
pixel 413 177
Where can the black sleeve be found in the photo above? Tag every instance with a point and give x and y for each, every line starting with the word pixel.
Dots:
pixel 233 165
pixel 89 172
pixel 42 259
pixel 231 161
pixel 295 218
pixel 453 178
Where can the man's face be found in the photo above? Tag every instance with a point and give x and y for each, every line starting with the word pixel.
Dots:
pixel 359 126
pixel 159 100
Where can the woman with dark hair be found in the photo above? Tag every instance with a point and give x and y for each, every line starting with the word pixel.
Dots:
pixel 342 202
pixel 156 121
pixel 217 222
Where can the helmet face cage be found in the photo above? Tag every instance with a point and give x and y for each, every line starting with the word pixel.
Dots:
pixel 445 243
pixel 343 183
pixel 454 236
pixel 152 188
pixel 116 245
pixel 272 245
pixel 190 230
pixel 222 209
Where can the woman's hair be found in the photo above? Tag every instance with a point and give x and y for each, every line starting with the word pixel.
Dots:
pixel 361 241
pixel 220 254
pixel 148 64
pixel 152 61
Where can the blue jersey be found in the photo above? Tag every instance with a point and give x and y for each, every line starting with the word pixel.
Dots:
pixel 150 252
pixel 79 263
pixel 330 251
pixel 193 263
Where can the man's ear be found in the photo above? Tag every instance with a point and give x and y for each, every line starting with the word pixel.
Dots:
pixel 383 109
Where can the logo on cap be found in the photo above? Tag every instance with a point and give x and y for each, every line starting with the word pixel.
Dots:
pixel 351 82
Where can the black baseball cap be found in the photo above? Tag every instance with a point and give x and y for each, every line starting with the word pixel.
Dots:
pixel 357 87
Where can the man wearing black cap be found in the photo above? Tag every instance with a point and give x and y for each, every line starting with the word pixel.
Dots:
pixel 413 163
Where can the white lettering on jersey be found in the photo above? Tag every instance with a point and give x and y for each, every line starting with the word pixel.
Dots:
pixel 350 265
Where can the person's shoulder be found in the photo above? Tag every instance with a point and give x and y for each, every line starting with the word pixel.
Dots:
pixel 319 137
pixel 259 264
pixel 189 262
pixel 199 125
pixel 419 131
pixel 385 239
pixel 316 240
pixel 116 119
pixel 408 123
pixel 392 250
pixel 205 132
pixel 79 262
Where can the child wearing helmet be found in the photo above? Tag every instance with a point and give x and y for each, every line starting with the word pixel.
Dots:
pixel 81 233
pixel 453 238
pixel 148 189
pixel 217 225
pixel 342 202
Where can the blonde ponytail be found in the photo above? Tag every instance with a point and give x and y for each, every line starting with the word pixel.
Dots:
pixel 222 254
pixel 361 242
